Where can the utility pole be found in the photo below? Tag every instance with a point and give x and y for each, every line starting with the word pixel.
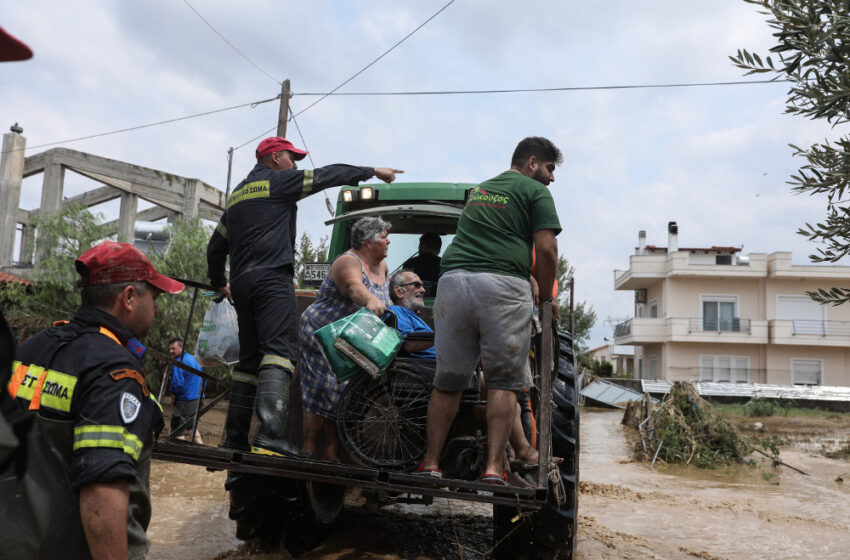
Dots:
pixel 284 109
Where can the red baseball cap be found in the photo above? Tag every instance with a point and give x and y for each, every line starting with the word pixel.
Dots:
pixel 110 262
pixel 276 144
pixel 12 48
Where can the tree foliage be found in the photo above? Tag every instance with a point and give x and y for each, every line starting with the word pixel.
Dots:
pixel 61 238
pixel 813 51
pixel 64 236
pixel 307 251
pixel 184 257
pixel 583 317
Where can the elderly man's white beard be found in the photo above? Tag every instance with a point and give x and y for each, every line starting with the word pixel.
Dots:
pixel 412 302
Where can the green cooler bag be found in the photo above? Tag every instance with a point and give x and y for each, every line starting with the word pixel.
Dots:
pixel 369 342
pixel 343 367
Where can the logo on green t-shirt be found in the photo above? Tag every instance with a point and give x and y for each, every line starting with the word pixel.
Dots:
pixel 480 197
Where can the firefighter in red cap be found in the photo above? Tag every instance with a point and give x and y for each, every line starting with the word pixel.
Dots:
pixel 78 485
pixel 258 231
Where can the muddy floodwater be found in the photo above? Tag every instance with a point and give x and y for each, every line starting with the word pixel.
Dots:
pixel 627 510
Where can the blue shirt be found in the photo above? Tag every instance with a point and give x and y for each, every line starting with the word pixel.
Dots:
pixel 409 322
pixel 186 386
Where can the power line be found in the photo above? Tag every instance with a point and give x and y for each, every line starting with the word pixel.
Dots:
pixel 251 104
pixel 303 142
pixel 535 90
pixel 377 94
pixel 405 38
pixel 231 45
pixel 323 96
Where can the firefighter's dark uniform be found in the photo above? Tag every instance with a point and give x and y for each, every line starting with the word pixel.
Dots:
pixel 258 232
pixel 94 421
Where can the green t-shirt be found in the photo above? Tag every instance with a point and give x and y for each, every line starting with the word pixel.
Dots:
pixel 496 230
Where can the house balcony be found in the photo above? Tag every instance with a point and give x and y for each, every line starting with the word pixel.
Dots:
pixel 804 332
pixel 650 330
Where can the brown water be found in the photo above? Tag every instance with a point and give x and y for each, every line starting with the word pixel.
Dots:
pixel 630 510
pixel 626 511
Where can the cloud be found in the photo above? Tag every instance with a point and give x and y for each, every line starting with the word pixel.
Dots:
pixel 714 159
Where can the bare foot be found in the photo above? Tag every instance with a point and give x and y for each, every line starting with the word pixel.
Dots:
pixel 330 459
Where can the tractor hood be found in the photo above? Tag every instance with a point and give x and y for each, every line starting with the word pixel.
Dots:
pixel 410 218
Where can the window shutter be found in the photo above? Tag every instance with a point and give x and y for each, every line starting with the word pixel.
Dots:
pixel 706 368
pixel 741 371
pixel 805 372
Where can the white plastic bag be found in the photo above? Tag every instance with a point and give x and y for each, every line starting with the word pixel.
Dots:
pixel 218 341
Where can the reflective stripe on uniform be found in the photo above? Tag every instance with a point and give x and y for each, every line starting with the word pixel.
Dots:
pixel 240 377
pixel 19 372
pixel 222 231
pixel 156 402
pixel 106 332
pixel 112 437
pixel 248 191
pixel 43 388
pixel 307 187
pixel 271 359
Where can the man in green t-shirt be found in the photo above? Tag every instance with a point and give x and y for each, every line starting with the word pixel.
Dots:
pixel 484 305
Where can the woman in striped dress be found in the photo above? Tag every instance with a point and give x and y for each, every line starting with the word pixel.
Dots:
pixel 357 278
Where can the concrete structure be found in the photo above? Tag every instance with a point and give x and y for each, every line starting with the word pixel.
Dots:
pixel 711 314
pixel 621 358
pixel 172 195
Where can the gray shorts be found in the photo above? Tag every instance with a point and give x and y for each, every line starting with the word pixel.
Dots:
pixel 182 412
pixel 487 317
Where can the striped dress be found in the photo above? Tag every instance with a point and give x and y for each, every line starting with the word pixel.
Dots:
pixel 319 387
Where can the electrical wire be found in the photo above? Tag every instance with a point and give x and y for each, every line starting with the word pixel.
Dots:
pixel 323 96
pixel 536 90
pixel 167 121
pixel 385 53
pixel 231 45
pixel 445 92
pixel 304 143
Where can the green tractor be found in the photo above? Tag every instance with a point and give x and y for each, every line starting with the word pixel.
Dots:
pixel 381 423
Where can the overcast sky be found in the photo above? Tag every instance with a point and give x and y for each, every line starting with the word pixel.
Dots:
pixel 714 159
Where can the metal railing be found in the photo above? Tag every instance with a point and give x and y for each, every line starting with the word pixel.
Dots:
pixel 623 329
pixel 705 324
pixel 822 328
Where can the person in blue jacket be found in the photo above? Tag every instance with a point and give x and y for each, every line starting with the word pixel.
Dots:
pixel 185 392
pixel 406 292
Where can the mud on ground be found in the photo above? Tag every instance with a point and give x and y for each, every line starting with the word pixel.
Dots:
pixel 627 510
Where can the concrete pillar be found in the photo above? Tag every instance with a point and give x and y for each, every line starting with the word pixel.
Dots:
pixel 11 178
pixel 127 217
pixel 27 244
pixel 191 197
pixel 52 187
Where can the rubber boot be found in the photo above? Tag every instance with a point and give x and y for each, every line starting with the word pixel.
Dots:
pixel 272 409
pixel 244 496
pixel 239 411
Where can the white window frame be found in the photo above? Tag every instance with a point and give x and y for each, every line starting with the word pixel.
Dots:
pixel 653 303
pixel 653 366
pixel 735 363
pixel 810 361
pixel 734 299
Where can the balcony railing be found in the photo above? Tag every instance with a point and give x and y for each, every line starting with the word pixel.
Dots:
pixel 705 324
pixel 823 328
pixel 623 329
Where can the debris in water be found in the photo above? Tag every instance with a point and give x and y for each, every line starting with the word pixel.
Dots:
pixel 685 429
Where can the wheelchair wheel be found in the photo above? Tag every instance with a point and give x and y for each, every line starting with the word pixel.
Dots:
pixel 381 423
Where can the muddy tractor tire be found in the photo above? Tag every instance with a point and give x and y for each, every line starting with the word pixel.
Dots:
pixel 551 531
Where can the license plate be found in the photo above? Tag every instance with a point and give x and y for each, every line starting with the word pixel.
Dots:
pixel 314 273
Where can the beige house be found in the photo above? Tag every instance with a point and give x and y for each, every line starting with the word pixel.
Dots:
pixel 711 314
pixel 621 358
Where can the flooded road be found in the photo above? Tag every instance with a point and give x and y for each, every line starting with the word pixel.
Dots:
pixel 626 511
pixel 631 511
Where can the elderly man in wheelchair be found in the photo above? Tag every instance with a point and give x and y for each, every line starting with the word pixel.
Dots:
pixel 382 423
